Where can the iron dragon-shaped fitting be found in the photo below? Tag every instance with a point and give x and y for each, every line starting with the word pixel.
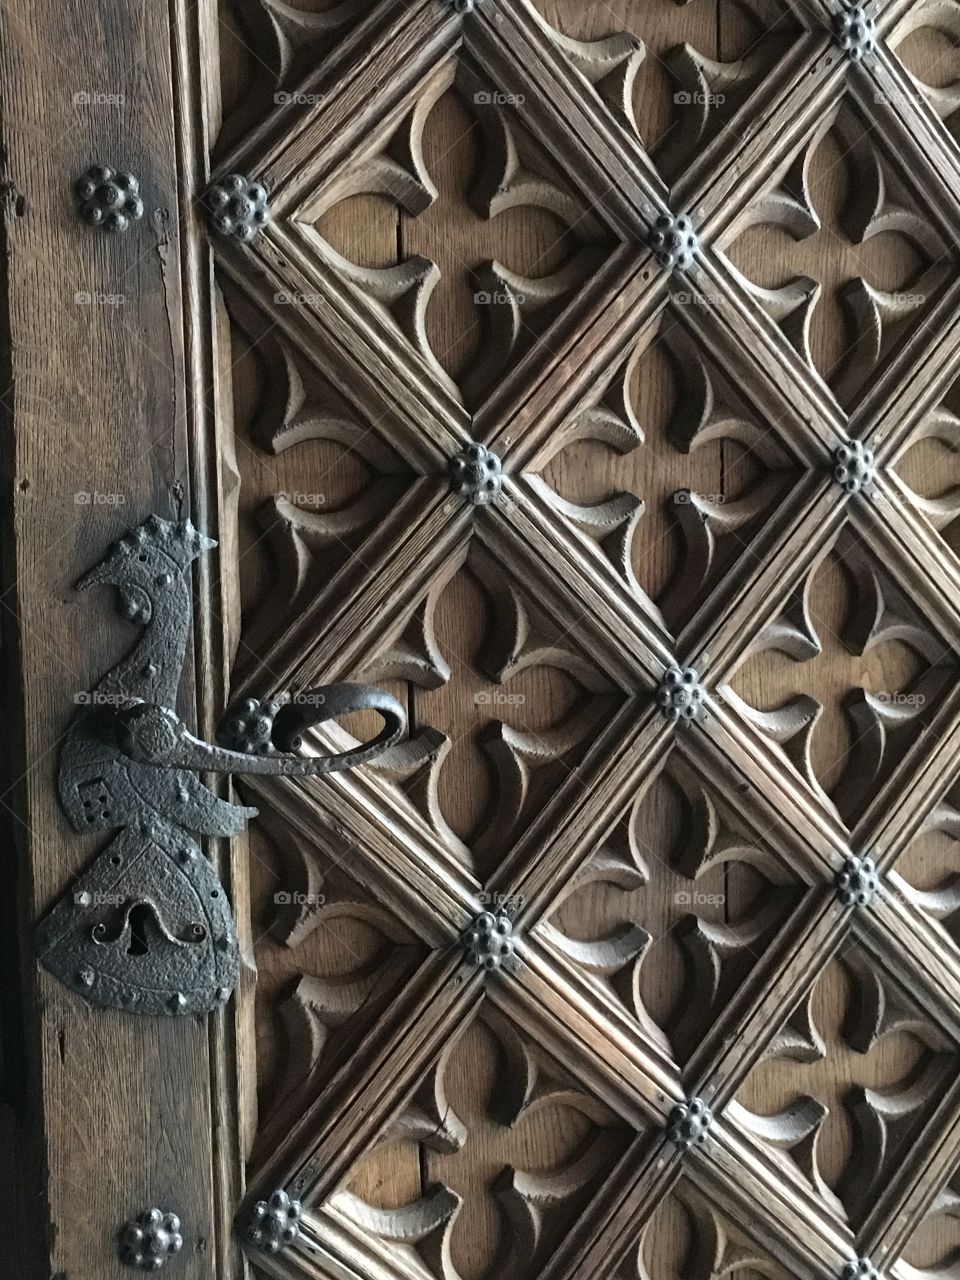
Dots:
pixel 148 927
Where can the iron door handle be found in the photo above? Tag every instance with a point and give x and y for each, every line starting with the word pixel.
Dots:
pixel 259 738
pixel 147 927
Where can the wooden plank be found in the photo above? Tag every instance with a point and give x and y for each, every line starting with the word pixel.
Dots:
pixel 125 1098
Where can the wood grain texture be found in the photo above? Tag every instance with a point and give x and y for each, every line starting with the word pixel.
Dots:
pixel 96 404
pixel 667 446
pixel 460 251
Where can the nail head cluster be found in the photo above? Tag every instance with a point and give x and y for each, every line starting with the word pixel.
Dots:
pixel 854 467
pixel 238 207
pixel 476 474
pixel 856 31
pixel 674 241
pixel 274 1223
pixel 860 1269
pixel 108 198
pixel 248 727
pixel 680 694
pixel 489 943
pixel 857 882
pixel 688 1124
pixel 148 1241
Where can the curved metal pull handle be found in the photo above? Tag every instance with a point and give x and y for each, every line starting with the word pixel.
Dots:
pixel 256 728
pixel 257 734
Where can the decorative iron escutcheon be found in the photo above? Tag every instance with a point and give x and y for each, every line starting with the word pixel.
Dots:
pixel 148 928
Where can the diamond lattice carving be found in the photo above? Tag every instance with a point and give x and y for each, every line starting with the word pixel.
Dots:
pixel 327 953
pixel 925 41
pixel 677 76
pixel 663 448
pixel 933 1248
pixel 928 465
pixel 687 1239
pixel 427 228
pixel 669 470
pixel 508 708
pixel 864 680
pixel 675 909
pixel 423 221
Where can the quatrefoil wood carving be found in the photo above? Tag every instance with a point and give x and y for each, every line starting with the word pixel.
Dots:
pixel 686 1238
pixel 678 73
pixel 878 255
pixel 692 473
pixel 928 465
pixel 926 42
pixel 328 956
pixel 675 908
pixel 867 671
pixel 463 1146
pixel 576 589
pixel 848 1115
pixel 393 226
pixel 512 707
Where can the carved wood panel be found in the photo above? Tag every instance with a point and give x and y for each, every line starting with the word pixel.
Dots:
pixel 583 344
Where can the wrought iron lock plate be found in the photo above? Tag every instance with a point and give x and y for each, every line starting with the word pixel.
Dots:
pixel 148 928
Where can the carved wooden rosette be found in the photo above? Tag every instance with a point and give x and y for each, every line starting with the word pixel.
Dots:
pixel 670 886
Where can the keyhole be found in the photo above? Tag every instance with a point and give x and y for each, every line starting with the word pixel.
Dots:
pixel 138 930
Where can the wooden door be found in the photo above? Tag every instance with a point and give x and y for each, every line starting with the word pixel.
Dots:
pixel 585 376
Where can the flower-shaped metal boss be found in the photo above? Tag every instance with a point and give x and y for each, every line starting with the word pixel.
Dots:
pixel 274 1223
pixel 680 694
pixel 489 941
pixel 148 1241
pixel 238 207
pixel 108 198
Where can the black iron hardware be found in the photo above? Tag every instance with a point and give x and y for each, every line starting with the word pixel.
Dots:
pixel 274 1224
pixel 150 1240
pixel 148 928
pixel 108 198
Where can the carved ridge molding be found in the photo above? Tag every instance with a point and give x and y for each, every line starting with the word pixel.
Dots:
pixel 635 642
